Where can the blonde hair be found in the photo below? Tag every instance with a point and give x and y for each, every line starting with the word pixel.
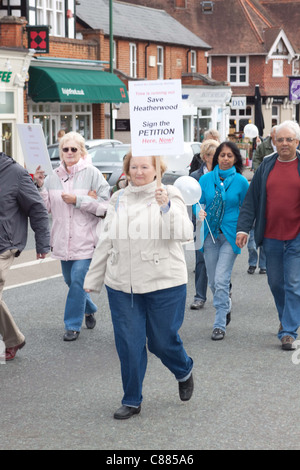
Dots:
pixel 128 157
pixel 208 146
pixel 76 137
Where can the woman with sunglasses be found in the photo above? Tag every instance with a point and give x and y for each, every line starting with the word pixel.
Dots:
pixel 75 219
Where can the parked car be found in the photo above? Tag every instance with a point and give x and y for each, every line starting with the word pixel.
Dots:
pixel 109 160
pixel 53 149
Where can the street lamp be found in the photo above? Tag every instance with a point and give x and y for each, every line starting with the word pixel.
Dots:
pixel 111 65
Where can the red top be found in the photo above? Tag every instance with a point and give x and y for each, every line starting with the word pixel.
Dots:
pixel 283 201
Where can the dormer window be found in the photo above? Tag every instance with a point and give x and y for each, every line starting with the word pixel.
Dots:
pixel 207 7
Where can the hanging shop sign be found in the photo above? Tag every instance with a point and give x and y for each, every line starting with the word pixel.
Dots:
pixel 38 38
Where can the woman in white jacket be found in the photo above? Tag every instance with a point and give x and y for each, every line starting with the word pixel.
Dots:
pixel 75 219
pixel 140 259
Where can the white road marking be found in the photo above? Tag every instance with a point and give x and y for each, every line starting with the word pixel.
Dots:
pixel 32 282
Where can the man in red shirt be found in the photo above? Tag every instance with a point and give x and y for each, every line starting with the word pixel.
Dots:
pixel 273 201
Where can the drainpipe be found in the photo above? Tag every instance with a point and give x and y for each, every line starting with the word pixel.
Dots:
pixel 146 59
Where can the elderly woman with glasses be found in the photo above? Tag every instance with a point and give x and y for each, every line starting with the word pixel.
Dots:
pixel 77 195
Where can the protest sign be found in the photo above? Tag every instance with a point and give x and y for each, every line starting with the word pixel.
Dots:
pixel 156 117
pixel 34 148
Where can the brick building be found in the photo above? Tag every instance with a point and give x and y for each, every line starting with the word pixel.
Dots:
pixel 254 42
pixel 68 83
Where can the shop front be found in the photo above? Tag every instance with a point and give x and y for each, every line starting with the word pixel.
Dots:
pixel 14 66
pixel 64 95
pixel 205 107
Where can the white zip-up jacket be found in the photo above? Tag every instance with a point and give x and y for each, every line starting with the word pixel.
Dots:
pixel 75 228
pixel 140 248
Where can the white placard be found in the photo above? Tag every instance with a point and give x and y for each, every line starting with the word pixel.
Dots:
pixel 156 117
pixel 34 148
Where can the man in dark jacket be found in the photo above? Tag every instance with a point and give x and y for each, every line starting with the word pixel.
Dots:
pixel 273 202
pixel 267 147
pixel 19 200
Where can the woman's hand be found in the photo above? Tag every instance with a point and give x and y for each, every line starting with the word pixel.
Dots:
pixel 92 193
pixel 241 239
pixel 161 197
pixel 39 176
pixel 69 198
pixel 201 215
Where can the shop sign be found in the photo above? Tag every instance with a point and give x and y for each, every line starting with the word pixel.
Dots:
pixel 238 102
pixel 38 38
pixel 5 76
pixel 295 89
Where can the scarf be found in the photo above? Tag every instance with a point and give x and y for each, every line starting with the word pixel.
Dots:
pixel 217 208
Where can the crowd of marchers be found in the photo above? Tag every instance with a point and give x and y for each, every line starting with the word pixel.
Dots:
pixel 146 277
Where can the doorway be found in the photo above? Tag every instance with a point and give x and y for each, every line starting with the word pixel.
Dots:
pixel 6 137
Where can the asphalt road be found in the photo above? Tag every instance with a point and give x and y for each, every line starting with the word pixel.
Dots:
pixel 58 395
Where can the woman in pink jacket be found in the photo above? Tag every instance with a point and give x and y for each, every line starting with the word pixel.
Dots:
pixel 75 220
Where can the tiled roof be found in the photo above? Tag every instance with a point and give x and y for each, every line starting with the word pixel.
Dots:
pixel 286 14
pixel 137 23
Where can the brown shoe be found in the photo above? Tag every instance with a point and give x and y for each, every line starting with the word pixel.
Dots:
pixel 287 343
pixel 10 353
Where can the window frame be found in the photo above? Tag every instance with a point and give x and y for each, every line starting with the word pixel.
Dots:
pixel 238 64
pixel 133 60
pixel 160 63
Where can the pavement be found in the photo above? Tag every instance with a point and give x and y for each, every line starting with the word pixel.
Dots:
pixel 62 396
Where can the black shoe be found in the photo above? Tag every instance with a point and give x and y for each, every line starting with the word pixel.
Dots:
pixel 71 335
pixel 126 412
pixel 262 271
pixel 186 388
pixel 217 334
pixel 251 269
pixel 228 318
pixel 90 321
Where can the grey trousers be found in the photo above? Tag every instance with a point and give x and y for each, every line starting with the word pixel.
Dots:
pixel 9 331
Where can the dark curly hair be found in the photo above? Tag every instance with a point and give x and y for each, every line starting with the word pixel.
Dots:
pixel 235 150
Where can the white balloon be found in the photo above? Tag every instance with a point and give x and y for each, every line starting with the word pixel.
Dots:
pixel 190 189
pixel 251 131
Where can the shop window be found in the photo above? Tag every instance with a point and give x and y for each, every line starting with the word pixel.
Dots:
pixel 6 102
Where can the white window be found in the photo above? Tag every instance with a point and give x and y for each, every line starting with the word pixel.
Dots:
pixel 133 60
pixel 275 115
pixel 238 70
pixel 51 12
pixel 160 63
pixel 193 62
pixel 277 68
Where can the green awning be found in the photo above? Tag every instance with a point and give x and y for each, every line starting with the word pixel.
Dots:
pixel 75 86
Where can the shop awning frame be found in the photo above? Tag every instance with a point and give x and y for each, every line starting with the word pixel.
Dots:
pixel 70 85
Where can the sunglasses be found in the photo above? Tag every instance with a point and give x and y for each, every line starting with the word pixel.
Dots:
pixel 73 149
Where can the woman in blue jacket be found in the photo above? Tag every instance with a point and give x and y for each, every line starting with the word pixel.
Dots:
pixel 223 192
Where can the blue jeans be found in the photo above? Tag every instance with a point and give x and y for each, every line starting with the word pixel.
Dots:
pixel 283 270
pixel 253 255
pixel 200 277
pixel 157 316
pixel 219 260
pixel 78 301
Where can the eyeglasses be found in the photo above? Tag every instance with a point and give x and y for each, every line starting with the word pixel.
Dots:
pixel 288 139
pixel 73 149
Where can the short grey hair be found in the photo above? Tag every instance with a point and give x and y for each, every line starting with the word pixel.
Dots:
pixel 292 126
